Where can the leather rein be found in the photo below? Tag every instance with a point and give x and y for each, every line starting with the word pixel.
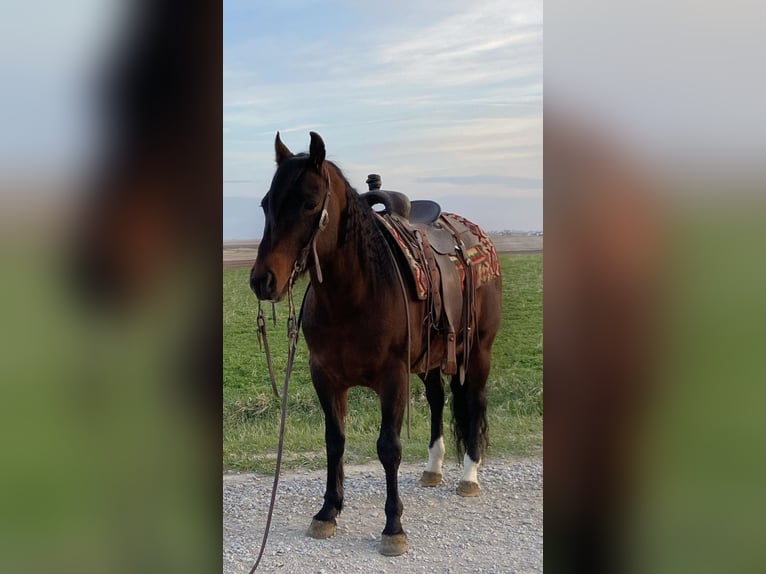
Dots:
pixel 293 329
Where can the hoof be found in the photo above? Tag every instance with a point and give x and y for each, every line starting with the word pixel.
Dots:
pixel 393 545
pixel 430 478
pixel 321 529
pixel 465 488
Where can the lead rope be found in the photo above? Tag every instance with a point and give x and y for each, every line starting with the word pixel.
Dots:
pixel 293 327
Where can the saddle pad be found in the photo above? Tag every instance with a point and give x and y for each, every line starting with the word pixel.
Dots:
pixel 481 255
pixel 417 271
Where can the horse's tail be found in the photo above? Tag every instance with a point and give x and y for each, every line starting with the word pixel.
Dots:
pixel 466 399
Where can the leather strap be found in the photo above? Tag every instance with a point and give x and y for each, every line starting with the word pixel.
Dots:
pixel 263 341
pixel 311 246
pixel 409 334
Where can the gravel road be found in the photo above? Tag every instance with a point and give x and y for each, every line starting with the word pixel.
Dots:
pixel 500 531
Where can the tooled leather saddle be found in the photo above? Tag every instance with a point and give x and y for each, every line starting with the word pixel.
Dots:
pixel 444 253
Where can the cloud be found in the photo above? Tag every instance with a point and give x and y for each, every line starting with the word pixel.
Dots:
pixel 451 84
pixel 485 43
pixel 486 52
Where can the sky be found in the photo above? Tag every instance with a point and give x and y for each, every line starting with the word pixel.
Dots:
pixel 48 101
pixel 443 99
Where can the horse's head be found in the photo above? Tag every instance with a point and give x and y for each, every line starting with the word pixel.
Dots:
pixel 295 210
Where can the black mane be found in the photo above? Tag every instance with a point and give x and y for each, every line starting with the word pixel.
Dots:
pixel 362 226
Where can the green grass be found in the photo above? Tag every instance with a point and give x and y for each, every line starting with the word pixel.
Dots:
pixel 251 412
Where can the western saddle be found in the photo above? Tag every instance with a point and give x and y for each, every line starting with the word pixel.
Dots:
pixel 435 245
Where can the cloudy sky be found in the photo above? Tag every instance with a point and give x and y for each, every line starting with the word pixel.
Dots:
pixel 442 98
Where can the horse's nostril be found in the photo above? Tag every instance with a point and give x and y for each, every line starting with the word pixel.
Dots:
pixel 269 282
pixel 262 285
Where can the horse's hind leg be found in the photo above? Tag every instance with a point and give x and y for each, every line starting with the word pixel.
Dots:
pixel 334 405
pixel 469 408
pixel 432 475
pixel 393 398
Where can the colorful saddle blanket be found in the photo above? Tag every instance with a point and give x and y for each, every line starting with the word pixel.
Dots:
pixel 478 251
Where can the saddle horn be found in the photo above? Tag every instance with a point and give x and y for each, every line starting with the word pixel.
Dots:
pixel 395 203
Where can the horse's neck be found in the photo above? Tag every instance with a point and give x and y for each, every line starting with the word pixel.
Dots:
pixel 350 272
pixel 339 287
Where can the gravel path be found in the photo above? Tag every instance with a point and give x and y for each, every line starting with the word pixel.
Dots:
pixel 500 531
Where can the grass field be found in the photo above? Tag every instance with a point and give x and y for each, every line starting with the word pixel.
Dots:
pixel 251 413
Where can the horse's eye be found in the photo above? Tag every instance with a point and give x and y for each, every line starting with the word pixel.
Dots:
pixel 310 205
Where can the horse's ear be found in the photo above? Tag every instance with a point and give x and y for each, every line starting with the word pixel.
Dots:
pixel 316 150
pixel 282 152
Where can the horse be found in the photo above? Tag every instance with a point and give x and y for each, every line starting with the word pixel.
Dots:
pixel 354 321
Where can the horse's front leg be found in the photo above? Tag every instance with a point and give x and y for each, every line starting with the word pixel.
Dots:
pixel 393 398
pixel 334 402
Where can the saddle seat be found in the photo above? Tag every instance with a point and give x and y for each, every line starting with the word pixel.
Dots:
pixel 441 250
pixel 398 204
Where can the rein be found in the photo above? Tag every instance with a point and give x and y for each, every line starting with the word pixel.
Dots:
pixel 263 343
pixel 293 328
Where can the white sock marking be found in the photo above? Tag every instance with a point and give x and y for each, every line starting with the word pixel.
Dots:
pixel 436 456
pixel 470 470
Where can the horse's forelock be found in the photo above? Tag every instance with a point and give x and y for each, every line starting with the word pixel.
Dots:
pixel 288 173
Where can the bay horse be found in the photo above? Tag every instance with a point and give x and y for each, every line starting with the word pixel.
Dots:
pixel 355 326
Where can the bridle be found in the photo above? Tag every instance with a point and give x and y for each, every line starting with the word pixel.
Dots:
pixel 293 328
pixel 299 266
pixel 300 263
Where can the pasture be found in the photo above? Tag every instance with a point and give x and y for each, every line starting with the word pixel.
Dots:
pixel 251 412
